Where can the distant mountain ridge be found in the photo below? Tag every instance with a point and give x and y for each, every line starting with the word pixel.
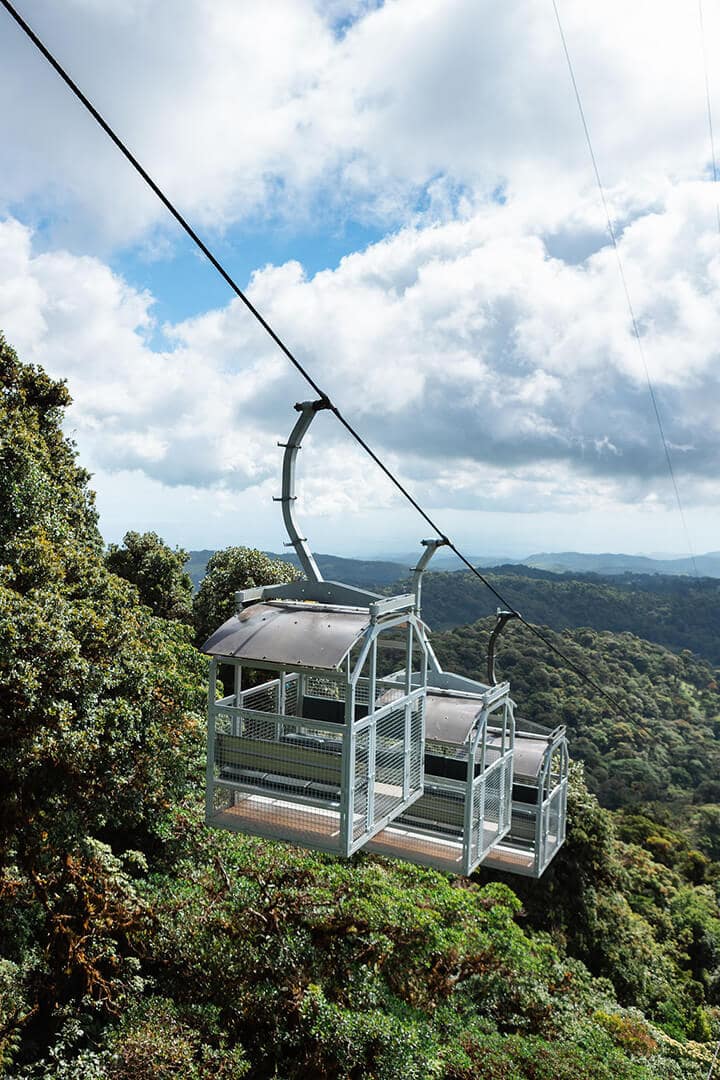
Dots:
pixel 708 565
pixel 673 610
pixel 368 572
pixel 360 572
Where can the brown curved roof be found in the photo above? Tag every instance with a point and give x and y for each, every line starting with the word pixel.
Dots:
pixel 450 719
pixel 307 636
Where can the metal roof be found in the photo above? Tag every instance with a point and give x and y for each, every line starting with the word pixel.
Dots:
pixel 528 757
pixel 297 636
pixel 450 719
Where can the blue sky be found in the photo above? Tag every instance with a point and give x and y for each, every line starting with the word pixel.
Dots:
pixel 405 191
pixel 183 284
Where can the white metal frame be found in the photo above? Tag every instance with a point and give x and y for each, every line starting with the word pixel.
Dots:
pixel 398 831
pixel 351 834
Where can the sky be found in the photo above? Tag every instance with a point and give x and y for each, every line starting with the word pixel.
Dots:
pixel 405 192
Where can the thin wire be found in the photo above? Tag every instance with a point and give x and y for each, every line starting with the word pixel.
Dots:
pixel 293 360
pixel 714 1060
pixel 626 290
pixel 708 107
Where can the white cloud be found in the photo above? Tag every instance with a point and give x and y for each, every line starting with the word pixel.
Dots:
pixel 484 346
pixel 242 110
pixel 486 372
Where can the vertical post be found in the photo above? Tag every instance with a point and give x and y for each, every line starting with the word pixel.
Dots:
pixel 468 810
pixel 563 804
pixel 237 701
pixel 347 788
pixel 300 694
pixel 421 704
pixel 280 727
pixel 483 789
pixel 407 733
pixel 210 768
pixel 510 769
pixel 372 736
pixel 468 850
pixel 503 816
pixel 540 821
pixel 424 662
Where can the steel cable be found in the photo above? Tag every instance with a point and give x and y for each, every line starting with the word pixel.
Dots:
pixel 300 368
pixel 626 290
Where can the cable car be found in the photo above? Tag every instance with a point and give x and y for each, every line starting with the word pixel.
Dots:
pixel 327 742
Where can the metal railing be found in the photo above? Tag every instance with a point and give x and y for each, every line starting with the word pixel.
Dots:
pixel 321 783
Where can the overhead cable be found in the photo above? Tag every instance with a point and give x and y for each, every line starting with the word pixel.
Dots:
pixel 626 290
pixel 708 108
pixel 299 367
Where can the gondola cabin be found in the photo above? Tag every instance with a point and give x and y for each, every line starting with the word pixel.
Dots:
pixel 319 738
pixel 539 802
pixel 318 749
pixel 464 811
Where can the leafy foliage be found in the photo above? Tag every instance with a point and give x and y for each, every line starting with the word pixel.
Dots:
pixel 623 914
pixel 157 571
pixel 99 715
pixel 136 943
pixel 662 747
pixel 373 968
pixel 680 613
pixel 228 571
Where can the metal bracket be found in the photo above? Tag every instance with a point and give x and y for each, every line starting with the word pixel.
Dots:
pixel 307 410
pixel 431 547
pixel 502 617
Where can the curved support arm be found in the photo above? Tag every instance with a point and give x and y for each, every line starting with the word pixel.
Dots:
pixel 307 410
pixel 431 547
pixel 502 618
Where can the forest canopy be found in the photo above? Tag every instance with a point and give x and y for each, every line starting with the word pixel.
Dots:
pixel 137 943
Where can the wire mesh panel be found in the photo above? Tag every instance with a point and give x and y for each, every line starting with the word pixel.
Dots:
pixel 263 699
pixel 387 764
pixel 362 803
pixel 440 809
pixel 273 774
pixel 389 761
pixel 291 696
pixel 319 687
pixel 537 830
pixel 259 815
pixel 430 832
pixel 417 744
pixel 553 830
pixel 386 691
pixel 441 828
pixel 491 809
pixel 283 775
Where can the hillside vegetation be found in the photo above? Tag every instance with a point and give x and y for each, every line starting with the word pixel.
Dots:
pixel 368 573
pixel 135 943
pixel 681 613
pixel 707 565
pixel 660 745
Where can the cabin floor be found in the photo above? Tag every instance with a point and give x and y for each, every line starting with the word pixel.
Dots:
pixel 402 843
pixel 259 815
pixel 512 859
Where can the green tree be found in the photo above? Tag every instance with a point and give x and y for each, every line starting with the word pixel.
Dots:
pixel 46 508
pixel 228 571
pixel 157 571
pixel 100 717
